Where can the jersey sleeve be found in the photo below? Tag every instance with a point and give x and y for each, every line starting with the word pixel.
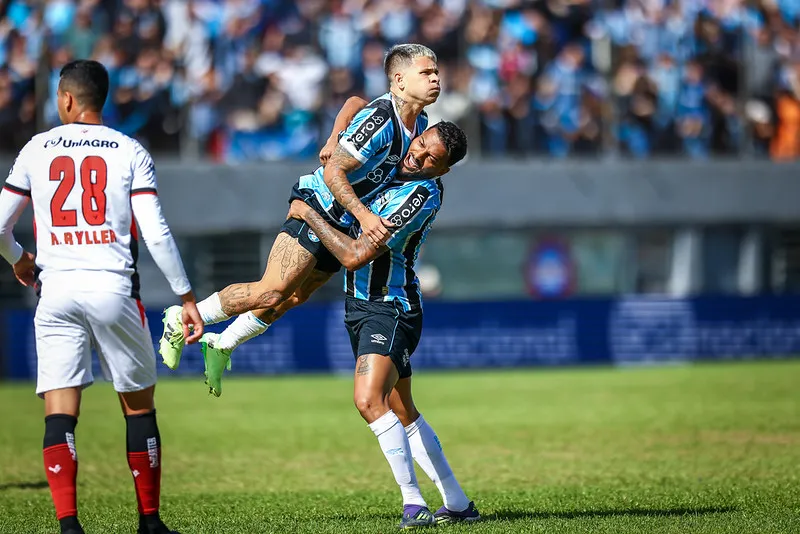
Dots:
pixel 11 207
pixel 409 210
pixel 13 199
pixel 19 180
pixel 144 172
pixel 369 132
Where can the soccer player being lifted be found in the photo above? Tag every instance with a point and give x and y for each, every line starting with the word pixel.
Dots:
pixel 87 182
pixel 363 163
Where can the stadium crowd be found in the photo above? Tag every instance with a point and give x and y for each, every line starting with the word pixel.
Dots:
pixel 263 79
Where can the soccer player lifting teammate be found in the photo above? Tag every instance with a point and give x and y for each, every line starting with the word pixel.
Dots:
pixel 87 182
pixel 364 162
pixel 383 315
pixel 384 320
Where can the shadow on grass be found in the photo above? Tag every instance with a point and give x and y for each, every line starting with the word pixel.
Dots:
pixel 516 515
pixel 42 484
pixel 508 515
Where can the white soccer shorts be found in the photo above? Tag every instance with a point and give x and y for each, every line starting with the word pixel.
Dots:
pixel 67 327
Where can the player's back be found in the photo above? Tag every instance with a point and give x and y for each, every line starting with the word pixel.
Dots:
pixel 81 178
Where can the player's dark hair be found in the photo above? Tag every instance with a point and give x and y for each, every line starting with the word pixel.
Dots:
pixel 454 139
pixel 402 55
pixel 87 80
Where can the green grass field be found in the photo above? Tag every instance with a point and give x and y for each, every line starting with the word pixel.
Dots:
pixel 696 449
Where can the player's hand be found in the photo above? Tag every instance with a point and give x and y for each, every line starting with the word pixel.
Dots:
pixel 375 228
pixel 296 209
pixel 25 268
pixel 190 318
pixel 327 151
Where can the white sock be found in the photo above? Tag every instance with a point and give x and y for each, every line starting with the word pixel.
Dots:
pixel 428 453
pixel 246 326
pixel 211 310
pixel 394 443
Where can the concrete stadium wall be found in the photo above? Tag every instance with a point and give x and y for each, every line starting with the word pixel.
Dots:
pixel 203 198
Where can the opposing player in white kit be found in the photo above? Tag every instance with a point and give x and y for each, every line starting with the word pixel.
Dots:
pixel 87 182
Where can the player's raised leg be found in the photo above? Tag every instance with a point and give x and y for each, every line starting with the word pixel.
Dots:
pixel 429 454
pixel 217 348
pixel 375 375
pixel 287 267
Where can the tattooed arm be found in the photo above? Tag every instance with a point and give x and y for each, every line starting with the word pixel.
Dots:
pixel 353 253
pixel 335 176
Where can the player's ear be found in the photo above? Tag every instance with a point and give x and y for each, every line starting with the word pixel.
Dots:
pixel 399 81
pixel 69 101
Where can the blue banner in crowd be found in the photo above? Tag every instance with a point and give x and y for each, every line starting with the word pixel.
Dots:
pixel 624 331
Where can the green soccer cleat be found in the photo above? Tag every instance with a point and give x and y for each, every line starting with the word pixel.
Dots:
pixel 170 346
pixel 217 360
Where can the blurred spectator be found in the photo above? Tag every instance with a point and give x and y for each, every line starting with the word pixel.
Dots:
pixel 263 79
pixel 692 117
pixel 81 37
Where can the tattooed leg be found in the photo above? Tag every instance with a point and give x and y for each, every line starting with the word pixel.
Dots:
pixel 375 378
pixel 315 280
pixel 287 267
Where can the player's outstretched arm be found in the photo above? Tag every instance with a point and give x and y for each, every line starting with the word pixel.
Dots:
pixel 349 110
pixel 352 253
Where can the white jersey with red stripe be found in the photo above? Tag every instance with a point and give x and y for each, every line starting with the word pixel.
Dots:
pixel 87 182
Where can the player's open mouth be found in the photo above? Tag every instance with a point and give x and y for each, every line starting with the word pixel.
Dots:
pixel 412 163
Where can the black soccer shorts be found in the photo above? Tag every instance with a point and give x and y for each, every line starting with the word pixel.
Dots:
pixel 383 328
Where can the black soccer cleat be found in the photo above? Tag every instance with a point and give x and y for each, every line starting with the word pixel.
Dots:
pixel 152 524
pixel 443 515
pixel 71 525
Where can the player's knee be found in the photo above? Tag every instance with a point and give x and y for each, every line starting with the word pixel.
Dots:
pixel 270 298
pixel 370 405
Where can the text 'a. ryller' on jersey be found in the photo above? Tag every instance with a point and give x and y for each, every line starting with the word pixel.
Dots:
pixel 82 179
pixel 412 208
pixel 379 140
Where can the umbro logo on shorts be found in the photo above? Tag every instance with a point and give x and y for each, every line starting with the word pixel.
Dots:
pixel 378 338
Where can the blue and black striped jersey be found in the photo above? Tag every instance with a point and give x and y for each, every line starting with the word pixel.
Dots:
pixel 412 207
pixel 379 140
